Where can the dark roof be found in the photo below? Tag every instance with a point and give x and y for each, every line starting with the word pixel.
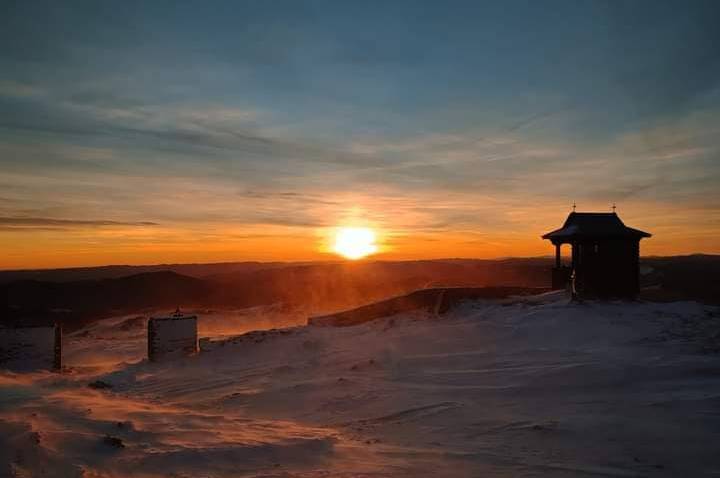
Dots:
pixel 590 225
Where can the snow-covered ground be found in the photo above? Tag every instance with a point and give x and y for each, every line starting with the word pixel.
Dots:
pixel 534 387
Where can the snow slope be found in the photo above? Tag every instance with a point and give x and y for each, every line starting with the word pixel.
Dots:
pixel 533 387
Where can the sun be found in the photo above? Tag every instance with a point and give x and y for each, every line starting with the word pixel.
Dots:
pixel 355 242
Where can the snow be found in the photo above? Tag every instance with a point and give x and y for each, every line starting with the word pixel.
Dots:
pixel 536 386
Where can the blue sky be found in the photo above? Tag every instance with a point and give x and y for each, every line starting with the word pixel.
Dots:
pixel 130 124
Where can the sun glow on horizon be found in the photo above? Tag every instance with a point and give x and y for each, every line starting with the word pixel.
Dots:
pixel 355 242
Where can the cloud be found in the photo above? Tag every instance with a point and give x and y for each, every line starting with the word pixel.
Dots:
pixel 45 222
pixel 462 180
pixel 534 118
pixel 216 135
pixel 303 198
pixel 18 89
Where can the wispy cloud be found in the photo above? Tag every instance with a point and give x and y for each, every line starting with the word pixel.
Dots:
pixel 46 222
pixel 19 90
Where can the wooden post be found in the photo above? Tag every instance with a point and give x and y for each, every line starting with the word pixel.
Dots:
pixel 151 340
pixel 557 255
pixel 57 349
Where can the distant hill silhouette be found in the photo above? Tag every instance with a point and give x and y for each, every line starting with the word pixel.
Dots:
pixel 78 302
pixel 116 271
pixel 695 277
pixel 314 288
pixel 324 287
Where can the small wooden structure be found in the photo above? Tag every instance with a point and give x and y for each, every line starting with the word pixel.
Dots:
pixel 172 336
pixel 605 256
pixel 33 345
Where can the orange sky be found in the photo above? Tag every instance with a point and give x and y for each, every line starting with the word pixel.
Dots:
pixel 213 242
pixel 147 136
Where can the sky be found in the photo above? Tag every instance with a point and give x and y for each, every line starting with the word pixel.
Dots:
pixel 181 131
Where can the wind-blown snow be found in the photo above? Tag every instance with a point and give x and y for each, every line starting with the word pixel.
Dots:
pixel 535 387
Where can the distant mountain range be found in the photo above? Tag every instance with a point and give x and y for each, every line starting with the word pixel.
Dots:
pixel 117 271
pixel 75 297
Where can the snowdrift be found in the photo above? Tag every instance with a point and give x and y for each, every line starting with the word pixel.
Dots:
pixel 437 300
pixel 533 386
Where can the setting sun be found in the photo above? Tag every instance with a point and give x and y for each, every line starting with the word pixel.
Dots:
pixel 355 242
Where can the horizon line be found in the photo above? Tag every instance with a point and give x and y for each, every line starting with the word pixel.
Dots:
pixel 325 261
